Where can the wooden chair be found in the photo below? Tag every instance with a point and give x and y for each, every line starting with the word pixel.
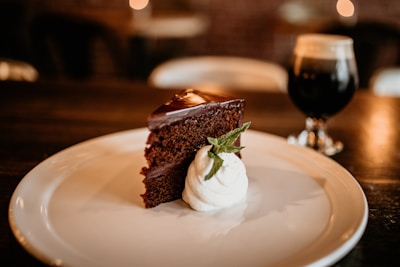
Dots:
pixel 64 45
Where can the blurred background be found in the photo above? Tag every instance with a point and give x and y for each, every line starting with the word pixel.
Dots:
pixel 126 39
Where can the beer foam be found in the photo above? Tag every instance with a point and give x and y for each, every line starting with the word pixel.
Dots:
pixel 324 46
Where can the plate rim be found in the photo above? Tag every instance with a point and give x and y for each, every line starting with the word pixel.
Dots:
pixel 330 258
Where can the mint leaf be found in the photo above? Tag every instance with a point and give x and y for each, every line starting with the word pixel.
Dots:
pixel 224 144
pixel 216 165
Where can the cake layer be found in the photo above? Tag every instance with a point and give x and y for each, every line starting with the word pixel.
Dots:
pixel 187 103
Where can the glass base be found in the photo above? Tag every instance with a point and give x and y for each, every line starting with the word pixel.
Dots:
pixel 316 137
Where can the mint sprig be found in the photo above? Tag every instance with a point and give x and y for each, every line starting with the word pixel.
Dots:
pixel 224 144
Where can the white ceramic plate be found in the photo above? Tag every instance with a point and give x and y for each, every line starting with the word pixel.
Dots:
pixel 82 207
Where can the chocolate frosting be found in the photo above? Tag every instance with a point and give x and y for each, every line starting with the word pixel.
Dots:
pixel 185 104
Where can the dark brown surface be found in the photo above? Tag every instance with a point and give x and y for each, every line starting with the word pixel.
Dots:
pixel 38 120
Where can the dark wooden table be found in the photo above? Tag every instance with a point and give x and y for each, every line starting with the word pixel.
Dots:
pixel 38 120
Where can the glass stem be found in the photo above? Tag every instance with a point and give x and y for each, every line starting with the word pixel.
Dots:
pixel 316 137
pixel 316 133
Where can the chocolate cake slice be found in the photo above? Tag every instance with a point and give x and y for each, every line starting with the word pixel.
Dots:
pixel 178 129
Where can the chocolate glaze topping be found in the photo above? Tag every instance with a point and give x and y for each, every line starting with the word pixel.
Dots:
pixel 186 103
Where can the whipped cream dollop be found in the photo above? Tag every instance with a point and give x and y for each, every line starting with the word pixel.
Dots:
pixel 227 187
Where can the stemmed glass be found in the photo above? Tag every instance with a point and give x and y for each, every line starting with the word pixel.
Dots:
pixel 322 80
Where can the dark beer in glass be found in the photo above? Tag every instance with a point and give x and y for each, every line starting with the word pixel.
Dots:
pixel 322 81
